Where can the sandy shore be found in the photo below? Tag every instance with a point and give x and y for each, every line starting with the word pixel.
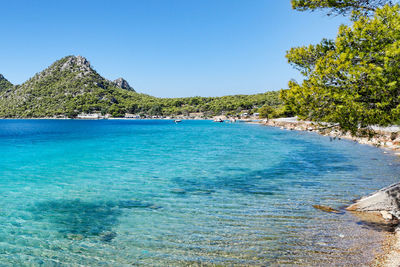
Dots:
pixel 387 138
pixel 391 251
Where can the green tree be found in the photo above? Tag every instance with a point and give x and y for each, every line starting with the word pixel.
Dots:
pixel 353 80
pixel 342 7
pixel 267 112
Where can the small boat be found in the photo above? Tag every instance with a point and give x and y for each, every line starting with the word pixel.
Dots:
pixel 177 121
pixel 219 120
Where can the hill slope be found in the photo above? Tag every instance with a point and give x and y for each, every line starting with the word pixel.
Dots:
pixel 71 86
pixel 68 86
pixel 4 84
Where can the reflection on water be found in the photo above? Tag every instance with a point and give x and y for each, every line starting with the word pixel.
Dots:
pixel 119 193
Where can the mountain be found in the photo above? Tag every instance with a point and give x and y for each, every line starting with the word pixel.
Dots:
pixel 121 83
pixel 71 86
pixel 4 84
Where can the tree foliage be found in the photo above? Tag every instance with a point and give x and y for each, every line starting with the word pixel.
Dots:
pixel 353 80
pixel 267 112
pixel 342 7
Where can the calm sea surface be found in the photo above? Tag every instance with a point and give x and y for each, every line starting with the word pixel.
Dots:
pixel 123 193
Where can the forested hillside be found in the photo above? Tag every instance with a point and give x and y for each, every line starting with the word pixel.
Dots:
pixel 4 84
pixel 71 86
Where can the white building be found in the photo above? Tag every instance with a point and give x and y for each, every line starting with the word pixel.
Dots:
pixel 84 116
pixel 131 116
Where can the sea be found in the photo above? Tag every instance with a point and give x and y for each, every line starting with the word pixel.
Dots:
pixel 200 193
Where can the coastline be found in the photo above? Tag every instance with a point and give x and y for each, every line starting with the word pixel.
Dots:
pixel 386 139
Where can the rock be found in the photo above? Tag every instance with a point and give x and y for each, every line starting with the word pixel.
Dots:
pixel 394 135
pixel 326 208
pixel 82 63
pixel 386 200
pixel 129 204
pixel 121 83
pixel 108 236
pixel 178 191
pixel 75 236
pixel 386 215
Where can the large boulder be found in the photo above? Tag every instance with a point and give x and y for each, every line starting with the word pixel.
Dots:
pixel 386 201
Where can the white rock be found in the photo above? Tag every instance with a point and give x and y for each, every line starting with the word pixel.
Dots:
pixel 386 200
pixel 386 215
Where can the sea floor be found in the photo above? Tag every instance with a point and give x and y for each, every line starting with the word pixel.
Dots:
pixel 119 193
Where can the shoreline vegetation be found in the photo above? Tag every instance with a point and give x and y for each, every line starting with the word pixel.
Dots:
pixel 248 119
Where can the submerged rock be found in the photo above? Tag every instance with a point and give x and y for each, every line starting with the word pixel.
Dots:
pixel 155 207
pixel 326 208
pixel 178 191
pixel 75 236
pixel 108 236
pixel 128 204
pixel 385 201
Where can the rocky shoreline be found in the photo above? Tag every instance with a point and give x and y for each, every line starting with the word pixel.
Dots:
pixel 384 137
pixel 385 205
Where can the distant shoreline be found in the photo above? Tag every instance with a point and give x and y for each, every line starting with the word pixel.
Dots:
pixel 141 119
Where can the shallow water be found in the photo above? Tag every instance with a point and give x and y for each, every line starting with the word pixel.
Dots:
pixel 129 192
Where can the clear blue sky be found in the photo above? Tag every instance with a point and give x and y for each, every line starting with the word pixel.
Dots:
pixel 163 48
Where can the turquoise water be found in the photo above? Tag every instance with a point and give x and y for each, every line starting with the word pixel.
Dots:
pixel 127 192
